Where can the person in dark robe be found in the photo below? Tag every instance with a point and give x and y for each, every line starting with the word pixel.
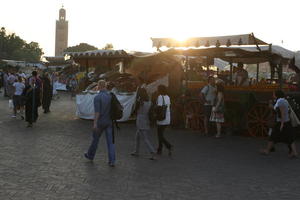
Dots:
pixel 32 93
pixel 47 93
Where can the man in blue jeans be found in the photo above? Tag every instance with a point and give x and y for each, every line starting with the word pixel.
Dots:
pixel 102 123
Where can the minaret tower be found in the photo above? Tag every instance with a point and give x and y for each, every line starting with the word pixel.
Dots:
pixel 61 36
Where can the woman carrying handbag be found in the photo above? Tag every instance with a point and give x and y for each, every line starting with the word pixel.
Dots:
pixel 143 105
pixel 163 119
pixel 282 132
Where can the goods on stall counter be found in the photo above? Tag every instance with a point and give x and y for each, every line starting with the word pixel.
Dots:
pixel 122 82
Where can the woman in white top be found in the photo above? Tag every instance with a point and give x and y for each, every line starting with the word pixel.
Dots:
pixel 283 129
pixel 163 99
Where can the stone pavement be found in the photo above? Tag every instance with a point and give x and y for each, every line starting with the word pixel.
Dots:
pixel 46 162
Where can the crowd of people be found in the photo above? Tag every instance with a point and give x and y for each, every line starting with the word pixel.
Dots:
pixel 144 108
pixel 27 92
pixel 212 96
pixel 30 92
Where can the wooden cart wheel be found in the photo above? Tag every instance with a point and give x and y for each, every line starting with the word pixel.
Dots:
pixel 193 113
pixel 257 120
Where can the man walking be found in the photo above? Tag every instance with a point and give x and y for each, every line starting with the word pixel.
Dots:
pixel 33 93
pixel 208 94
pixel 102 123
pixel 47 93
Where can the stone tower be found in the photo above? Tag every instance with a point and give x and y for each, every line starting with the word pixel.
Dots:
pixel 61 35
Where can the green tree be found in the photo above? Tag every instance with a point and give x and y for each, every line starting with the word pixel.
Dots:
pixel 108 46
pixel 80 48
pixel 13 47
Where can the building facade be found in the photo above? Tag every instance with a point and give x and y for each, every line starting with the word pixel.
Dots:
pixel 61 35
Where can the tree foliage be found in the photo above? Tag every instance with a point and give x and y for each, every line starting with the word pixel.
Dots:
pixel 81 47
pixel 108 46
pixel 12 47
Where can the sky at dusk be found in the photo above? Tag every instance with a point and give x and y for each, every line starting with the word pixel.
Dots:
pixel 129 24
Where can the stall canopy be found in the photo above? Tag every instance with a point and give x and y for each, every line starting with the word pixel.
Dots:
pixel 243 54
pixel 99 53
pixel 102 60
pixel 58 62
pixel 245 39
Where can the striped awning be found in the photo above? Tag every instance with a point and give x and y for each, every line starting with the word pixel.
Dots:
pixel 99 53
pixel 246 39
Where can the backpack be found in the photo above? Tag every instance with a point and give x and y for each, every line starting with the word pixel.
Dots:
pixel 116 108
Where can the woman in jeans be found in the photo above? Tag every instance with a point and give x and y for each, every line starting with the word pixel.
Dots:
pixel 163 99
pixel 143 122
pixel 283 131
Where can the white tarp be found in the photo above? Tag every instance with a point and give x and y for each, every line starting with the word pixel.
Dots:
pixel 152 87
pixel 85 102
pixel 60 86
pixel 85 105
pixel 221 64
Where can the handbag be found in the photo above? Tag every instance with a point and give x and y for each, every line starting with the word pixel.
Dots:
pixel 161 111
pixel 10 104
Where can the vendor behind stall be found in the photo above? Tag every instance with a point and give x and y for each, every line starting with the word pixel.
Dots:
pixel 241 76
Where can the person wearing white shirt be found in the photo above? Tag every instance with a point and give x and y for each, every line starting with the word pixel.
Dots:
pixel 208 94
pixel 17 98
pixel 283 132
pixel 163 100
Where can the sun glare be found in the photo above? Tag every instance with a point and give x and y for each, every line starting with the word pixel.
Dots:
pixel 181 38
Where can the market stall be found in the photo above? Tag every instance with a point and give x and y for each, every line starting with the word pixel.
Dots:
pixel 247 108
pixel 108 65
pixel 62 70
pixel 95 63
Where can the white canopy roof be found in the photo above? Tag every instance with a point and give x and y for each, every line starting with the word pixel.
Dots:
pixel 245 39
pixel 278 50
pixel 231 55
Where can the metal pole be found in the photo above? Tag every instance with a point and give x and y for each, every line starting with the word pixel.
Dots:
pixel 257 72
pixel 280 76
pixel 186 70
pixel 230 75
pixel 87 67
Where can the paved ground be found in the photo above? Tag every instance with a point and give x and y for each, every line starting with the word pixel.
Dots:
pixel 46 162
